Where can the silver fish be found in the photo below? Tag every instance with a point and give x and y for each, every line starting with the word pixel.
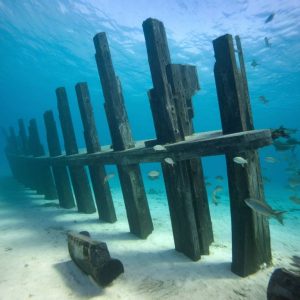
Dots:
pixel 159 148
pixel 169 161
pixel 153 174
pixel 264 209
pixel 108 177
pixel 240 160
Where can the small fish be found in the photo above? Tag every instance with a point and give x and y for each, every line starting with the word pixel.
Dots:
pixel 169 161
pixel 159 148
pixel 269 18
pixel 207 183
pixel 240 160
pixel 218 188
pixel 292 142
pixel 219 177
pixel 254 63
pixel 153 175
pixel 281 146
pixel 295 199
pixel 294 181
pixel 271 159
pixel 215 199
pixel 108 177
pixel 267 42
pixel 264 209
pixel 263 99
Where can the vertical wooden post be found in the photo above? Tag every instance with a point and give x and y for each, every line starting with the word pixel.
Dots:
pixel 81 187
pixel 101 188
pixel 13 148
pixel 170 101
pixel 250 231
pixel 60 174
pixel 43 176
pixel 23 137
pixel 137 209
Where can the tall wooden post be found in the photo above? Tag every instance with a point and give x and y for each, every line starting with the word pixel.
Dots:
pixel 100 183
pixel 61 177
pixel 171 106
pixel 250 231
pixel 137 209
pixel 81 186
pixel 42 174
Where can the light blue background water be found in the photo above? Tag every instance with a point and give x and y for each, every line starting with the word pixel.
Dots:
pixel 47 44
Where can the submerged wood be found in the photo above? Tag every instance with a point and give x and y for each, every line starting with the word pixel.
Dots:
pixel 171 105
pixel 42 174
pixel 81 186
pixel 93 258
pixel 250 231
pixel 101 187
pixel 203 144
pixel 137 209
pixel 60 174
pixel 284 284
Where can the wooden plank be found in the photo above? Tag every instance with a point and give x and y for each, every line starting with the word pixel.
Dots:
pixel 169 106
pixel 60 174
pixel 81 186
pixel 101 187
pixel 203 144
pixel 250 231
pixel 42 174
pixel 137 209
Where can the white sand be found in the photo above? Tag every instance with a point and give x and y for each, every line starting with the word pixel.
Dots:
pixel 35 263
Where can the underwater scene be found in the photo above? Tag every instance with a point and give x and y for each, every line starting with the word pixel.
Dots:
pixel 149 149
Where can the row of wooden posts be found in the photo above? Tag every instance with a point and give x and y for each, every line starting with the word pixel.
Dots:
pixel 172 110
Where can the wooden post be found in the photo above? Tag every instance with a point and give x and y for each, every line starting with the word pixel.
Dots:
pixel 137 209
pixel 170 101
pixel 23 137
pixel 81 187
pixel 61 178
pixel 42 174
pixel 250 231
pixel 101 188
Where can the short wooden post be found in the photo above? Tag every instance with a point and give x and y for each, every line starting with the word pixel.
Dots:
pixel 43 175
pixel 170 101
pixel 250 231
pixel 137 209
pixel 101 188
pixel 81 186
pixel 60 174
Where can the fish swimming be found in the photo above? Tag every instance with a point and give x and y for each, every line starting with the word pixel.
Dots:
pixel 240 160
pixel 263 99
pixel 270 18
pixel 153 175
pixel 169 161
pixel 159 148
pixel 264 209
pixel 254 63
pixel 271 159
pixel 108 177
pixel 267 43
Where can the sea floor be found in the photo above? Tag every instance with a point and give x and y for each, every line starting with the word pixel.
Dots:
pixel 35 262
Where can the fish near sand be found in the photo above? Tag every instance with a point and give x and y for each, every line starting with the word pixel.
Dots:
pixel 264 209
pixel 270 18
pixel 240 160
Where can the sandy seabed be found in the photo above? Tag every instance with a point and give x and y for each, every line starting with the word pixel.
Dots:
pixel 35 262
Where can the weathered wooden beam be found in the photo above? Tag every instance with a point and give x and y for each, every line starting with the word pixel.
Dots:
pixel 203 144
pixel 93 258
pixel 137 209
pixel 81 186
pixel 250 231
pixel 101 188
pixel 172 118
pixel 23 137
pixel 60 174
pixel 42 174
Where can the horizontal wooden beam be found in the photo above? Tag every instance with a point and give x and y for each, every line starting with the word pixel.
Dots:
pixel 202 144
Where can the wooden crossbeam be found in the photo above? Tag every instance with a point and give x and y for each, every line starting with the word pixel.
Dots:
pixel 202 144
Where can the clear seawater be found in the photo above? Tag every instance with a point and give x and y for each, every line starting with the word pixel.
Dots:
pixel 48 44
